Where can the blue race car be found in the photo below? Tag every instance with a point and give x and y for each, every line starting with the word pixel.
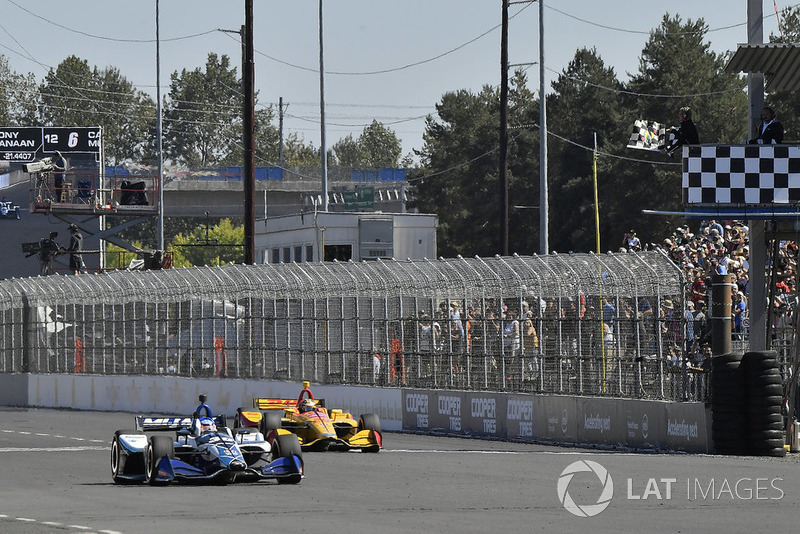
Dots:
pixel 8 210
pixel 204 450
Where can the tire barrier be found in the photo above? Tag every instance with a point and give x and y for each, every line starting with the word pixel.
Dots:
pixel 746 399
pixel 728 420
pixel 766 434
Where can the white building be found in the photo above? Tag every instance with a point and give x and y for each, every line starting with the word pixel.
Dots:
pixel 343 236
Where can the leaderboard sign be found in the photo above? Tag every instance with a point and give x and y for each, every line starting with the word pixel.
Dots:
pixel 24 143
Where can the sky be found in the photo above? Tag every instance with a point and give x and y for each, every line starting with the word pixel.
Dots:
pixel 384 61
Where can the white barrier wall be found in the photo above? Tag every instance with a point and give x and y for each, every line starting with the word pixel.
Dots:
pixel 177 395
pixel 586 421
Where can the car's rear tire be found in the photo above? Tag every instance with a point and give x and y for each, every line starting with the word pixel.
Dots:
pixel 118 459
pixel 271 420
pixel 157 448
pixel 236 420
pixel 286 446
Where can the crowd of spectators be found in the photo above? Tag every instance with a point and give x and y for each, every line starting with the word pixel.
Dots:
pixel 723 247
pixel 588 339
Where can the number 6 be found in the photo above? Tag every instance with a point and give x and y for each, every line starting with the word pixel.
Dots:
pixel 72 142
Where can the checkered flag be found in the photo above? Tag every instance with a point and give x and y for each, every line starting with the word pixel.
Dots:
pixel 647 135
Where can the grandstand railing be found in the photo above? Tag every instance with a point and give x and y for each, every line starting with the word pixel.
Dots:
pixel 605 324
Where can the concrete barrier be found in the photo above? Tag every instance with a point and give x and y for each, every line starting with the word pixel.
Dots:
pixel 179 395
pixel 585 421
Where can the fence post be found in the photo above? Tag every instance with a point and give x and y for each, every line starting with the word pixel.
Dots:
pixel 721 314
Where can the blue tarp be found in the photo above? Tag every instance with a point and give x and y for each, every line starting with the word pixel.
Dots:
pixel 117 171
pixel 379 175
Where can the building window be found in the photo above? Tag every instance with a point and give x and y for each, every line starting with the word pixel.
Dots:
pixel 298 253
pixel 309 253
pixel 287 255
pixel 276 255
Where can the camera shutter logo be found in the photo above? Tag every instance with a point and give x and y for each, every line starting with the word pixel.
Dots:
pixel 585 510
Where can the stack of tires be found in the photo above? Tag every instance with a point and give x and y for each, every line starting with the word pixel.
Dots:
pixel 728 415
pixel 764 394
pixel 746 399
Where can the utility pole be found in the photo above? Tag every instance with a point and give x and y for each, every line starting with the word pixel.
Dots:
pixel 280 132
pixel 504 132
pixel 159 149
pixel 248 81
pixel 544 244
pixel 758 241
pixel 322 149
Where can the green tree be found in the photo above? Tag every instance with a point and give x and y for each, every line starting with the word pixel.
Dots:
pixel 676 60
pixel 126 115
pixel 75 94
pixel 203 115
pixel 297 153
pixel 267 137
pixel 209 245
pixel 376 148
pixel 18 97
pixel 585 103
pixel 347 152
pixel 119 258
pixel 68 94
pixel 458 178
pixel 380 146
pixel 786 104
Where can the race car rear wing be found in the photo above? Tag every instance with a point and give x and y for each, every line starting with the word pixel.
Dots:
pixel 158 423
pixel 281 404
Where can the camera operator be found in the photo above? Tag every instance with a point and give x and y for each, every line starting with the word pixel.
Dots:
pixel 60 166
pixel 76 264
pixel 48 249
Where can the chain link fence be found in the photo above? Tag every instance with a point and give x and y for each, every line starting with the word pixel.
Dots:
pixel 579 324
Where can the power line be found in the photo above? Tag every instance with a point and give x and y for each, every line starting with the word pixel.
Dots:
pixel 103 37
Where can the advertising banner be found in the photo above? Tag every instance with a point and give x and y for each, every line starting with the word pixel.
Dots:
pixel 416 409
pixel 612 422
pixel 644 421
pixel 555 418
pixel 599 421
pixel 685 428
pixel 519 417
pixel 484 414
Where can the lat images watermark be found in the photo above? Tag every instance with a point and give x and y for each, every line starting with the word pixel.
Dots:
pixel 585 510
pixel 714 489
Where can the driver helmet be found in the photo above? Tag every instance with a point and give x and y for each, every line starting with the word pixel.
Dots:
pixel 203 425
pixel 306 405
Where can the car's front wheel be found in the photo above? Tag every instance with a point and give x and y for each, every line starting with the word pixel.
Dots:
pixel 157 448
pixel 286 446
pixel 370 421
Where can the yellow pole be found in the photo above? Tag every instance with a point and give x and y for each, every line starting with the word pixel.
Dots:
pixel 597 240
pixel 596 203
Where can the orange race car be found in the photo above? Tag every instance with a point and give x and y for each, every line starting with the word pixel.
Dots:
pixel 317 428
